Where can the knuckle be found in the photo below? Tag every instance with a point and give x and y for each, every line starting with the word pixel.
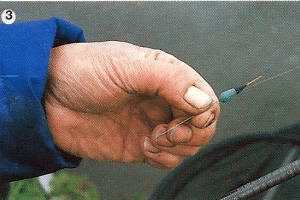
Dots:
pixel 160 55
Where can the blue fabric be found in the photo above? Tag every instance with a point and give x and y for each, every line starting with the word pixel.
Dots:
pixel 26 145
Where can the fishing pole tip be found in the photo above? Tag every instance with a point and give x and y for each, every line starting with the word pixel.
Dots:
pixel 254 80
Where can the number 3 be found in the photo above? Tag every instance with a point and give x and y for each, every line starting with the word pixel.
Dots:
pixel 8 16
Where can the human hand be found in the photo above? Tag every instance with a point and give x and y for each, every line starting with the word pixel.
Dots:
pixel 108 101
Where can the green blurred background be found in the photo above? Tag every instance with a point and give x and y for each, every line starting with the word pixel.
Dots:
pixel 228 43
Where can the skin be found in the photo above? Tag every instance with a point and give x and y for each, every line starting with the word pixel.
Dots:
pixel 108 101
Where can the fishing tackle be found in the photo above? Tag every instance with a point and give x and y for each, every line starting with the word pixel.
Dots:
pixel 230 94
pixel 224 97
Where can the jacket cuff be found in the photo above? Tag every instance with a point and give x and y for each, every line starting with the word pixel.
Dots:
pixel 26 144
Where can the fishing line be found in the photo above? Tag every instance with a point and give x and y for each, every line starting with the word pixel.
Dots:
pixel 228 95
pixel 268 181
pixel 263 81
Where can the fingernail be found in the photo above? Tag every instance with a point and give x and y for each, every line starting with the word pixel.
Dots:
pixel 163 141
pixel 197 98
pixel 210 120
pixel 183 138
pixel 149 147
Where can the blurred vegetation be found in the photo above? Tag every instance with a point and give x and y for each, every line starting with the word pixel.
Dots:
pixel 25 189
pixel 64 186
pixel 68 186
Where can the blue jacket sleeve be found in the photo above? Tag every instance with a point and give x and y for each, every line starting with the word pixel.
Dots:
pixel 26 145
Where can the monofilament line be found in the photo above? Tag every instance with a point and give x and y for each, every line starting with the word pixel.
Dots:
pixel 274 77
pixel 183 121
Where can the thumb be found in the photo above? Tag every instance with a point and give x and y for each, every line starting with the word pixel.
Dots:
pixel 178 84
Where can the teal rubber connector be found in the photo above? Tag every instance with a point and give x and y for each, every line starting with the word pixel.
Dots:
pixel 227 95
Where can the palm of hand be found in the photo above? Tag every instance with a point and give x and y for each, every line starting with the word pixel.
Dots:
pixel 114 135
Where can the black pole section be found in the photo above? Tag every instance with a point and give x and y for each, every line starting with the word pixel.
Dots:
pixel 238 90
pixel 266 182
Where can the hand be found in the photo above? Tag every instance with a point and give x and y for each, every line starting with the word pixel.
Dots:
pixel 108 101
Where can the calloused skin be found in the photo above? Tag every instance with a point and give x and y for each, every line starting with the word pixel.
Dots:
pixel 108 101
